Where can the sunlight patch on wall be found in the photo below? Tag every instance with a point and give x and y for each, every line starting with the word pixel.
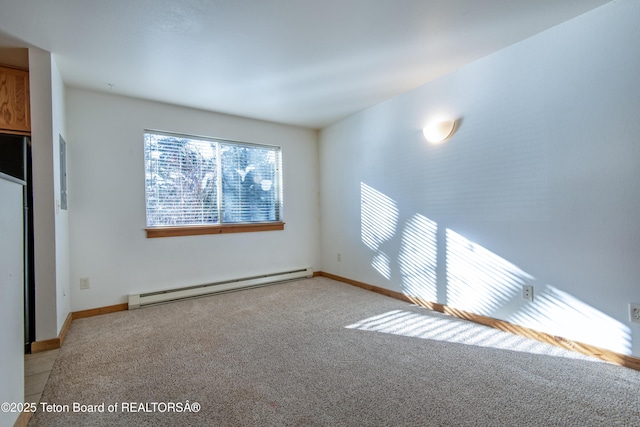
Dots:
pixel 438 327
pixel 559 313
pixel 418 258
pixel 378 222
pixel 382 263
pixel 378 217
pixel 478 280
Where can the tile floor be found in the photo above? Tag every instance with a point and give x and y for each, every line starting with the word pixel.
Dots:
pixel 37 367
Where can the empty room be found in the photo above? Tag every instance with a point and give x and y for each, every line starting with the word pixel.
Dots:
pixel 338 213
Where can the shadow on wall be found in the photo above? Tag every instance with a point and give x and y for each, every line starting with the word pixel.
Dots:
pixel 475 279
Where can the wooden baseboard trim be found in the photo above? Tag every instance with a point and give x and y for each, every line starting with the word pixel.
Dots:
pixel 376 289
pixel 23 419
pixel 100 310
pixel 46 345
pixel 586 349
pixel 65 328
pixel 53 343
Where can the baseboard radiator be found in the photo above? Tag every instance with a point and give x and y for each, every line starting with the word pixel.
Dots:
pixel 159 297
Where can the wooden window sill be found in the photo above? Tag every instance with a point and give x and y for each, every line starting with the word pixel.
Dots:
pixel 196 230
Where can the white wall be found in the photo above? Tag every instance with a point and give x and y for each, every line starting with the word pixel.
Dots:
pixel 539 185
pixel 51 229
pixel 63 295
pixel 11 299
pixel 107 202
pixel 42 140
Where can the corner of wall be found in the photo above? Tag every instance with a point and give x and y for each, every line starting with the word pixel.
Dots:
pixel 63 294
pixel 40 81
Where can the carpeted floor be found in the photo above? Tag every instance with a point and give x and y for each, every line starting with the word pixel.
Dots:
pixel 322 353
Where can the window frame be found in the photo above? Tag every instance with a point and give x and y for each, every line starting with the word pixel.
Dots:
pixel 220 227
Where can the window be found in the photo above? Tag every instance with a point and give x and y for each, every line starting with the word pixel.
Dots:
pixel 197 185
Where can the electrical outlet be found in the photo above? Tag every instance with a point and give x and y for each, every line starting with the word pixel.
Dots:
pixel 339 257
pixel 527 292
pixel 84 283
pixel 634 313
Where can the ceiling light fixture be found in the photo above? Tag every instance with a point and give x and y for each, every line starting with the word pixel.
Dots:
pixel 439 130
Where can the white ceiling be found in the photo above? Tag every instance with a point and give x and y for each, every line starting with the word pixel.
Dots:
pixel 300 62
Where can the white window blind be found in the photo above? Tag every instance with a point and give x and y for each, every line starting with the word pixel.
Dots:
pixel 199 181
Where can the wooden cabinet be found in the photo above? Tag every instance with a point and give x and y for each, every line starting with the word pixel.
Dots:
pixel 14 101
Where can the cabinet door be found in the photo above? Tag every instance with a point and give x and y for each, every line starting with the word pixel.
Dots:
pixel 14 101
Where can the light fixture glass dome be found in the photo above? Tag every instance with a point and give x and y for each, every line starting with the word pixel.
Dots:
pixel 437 131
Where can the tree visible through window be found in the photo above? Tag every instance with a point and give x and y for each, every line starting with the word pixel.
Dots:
pixel 202 181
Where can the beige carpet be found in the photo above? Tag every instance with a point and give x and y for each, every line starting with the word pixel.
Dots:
pixel 321 353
